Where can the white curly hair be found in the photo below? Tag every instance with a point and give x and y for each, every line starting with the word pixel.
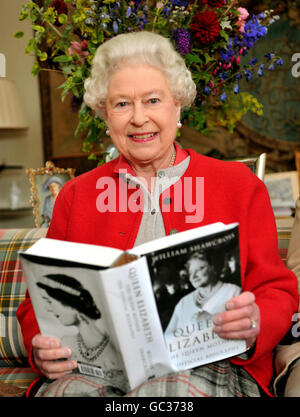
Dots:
pixel 136 47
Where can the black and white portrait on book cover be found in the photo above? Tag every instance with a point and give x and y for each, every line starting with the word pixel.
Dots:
pixel 193 281
pixel 77 319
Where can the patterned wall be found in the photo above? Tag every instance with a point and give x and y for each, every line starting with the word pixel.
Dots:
pixel 278 90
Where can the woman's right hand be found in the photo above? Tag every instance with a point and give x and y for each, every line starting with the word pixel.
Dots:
pixel 48 354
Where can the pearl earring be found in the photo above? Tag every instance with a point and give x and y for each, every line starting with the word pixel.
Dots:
pixel 107 132
pixel 179 125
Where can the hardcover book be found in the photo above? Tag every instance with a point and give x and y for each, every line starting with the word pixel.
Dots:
pixel 140 314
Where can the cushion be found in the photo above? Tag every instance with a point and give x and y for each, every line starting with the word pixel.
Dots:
pixel 12 293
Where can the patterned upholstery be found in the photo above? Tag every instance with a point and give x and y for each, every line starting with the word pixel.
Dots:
pixel 284 236
pixel 14 367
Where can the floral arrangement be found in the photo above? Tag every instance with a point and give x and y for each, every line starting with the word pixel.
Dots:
pixel 213 36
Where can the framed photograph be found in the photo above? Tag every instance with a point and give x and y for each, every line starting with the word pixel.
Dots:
pixel 283 188
pixel 256 163
pixel 46 183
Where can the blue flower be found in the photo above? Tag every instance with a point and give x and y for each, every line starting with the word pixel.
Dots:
pixel 89 21
pixel 206 90
pixel 241 44
pixel 253 61
pixel 271 67
pixel 238 76
pixel 180 3
pixel 167 10
pixel 136 5
pixel 253 31
pixel 128 12
pixel 260 71
pixel 223 75
pixel 223 97
pixel 236 89
pixel 262 15
pixel 269 56
pixel 229 52
pixel 115 27
pixel 116 5
pixel 141 22
pixel 248 75
pixel 279 61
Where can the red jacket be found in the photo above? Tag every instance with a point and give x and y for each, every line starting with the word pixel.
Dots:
pixel 232 193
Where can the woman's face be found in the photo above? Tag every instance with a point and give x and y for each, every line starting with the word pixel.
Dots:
pixel 198 273
pixel 54 188
pixel 66 315
pixel 141 113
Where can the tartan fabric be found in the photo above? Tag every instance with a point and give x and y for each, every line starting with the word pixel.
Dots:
pixel 19 376
pixel 219 379
pixel 12 292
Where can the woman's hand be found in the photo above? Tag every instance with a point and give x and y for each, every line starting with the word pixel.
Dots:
pixel 241 320
pixel 48 354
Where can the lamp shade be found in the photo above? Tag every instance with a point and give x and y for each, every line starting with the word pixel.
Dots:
pixel 11 112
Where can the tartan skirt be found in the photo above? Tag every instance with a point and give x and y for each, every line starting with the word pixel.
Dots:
pixel 218 379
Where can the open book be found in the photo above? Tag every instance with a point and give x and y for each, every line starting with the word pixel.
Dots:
pixel 140 314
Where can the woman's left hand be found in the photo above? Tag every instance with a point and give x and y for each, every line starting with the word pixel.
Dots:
pixel 241 320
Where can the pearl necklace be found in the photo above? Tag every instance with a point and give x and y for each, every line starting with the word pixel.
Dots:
pixel 90 354
pixel 173 158
pixel 170 164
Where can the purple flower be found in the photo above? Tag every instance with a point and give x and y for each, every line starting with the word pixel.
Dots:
pixel 271 67
pixel 279 61
pixel 182 39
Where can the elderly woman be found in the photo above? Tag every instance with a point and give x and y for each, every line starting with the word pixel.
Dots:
pixel 139 85
pixel 52 185
pixel 208 297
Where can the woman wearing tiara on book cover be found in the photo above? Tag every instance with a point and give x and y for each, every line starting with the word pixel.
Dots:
pixel 73 305
pixel 208 297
